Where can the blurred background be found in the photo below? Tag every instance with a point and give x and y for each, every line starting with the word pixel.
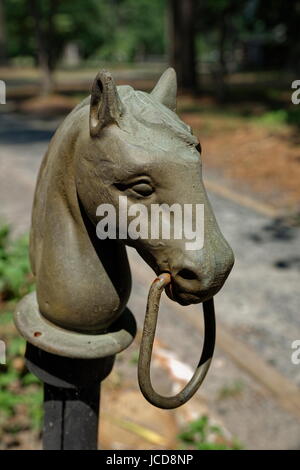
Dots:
pixel 236 61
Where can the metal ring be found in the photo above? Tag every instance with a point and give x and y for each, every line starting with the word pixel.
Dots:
pixel 150 323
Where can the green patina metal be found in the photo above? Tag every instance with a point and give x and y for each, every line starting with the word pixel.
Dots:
pixel 170 402
pixel 116 138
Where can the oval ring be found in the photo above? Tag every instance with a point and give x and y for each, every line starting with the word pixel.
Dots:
pixel 146 347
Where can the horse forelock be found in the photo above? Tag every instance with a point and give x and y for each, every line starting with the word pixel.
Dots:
pixel 144 115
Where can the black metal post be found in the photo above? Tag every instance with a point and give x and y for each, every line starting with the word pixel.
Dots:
pixel 71 418
pixel 71 398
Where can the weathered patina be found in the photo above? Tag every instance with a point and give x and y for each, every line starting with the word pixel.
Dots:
pixel 118 141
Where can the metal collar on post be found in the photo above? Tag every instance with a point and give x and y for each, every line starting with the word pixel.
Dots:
pixel 40 332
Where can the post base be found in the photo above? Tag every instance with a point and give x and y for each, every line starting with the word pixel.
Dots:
pixel 71 397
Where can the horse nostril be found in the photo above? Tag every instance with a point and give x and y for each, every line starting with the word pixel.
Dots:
pixel 187 274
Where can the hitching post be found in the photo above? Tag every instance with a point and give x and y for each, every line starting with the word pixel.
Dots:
pixel 83 283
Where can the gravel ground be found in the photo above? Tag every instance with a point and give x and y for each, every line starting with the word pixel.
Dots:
pixel 261 301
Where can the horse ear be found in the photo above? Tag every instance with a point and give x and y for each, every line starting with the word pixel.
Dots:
pixel 165 91
pixel 106 106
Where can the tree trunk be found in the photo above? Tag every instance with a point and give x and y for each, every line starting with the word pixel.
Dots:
pixel 181 18
pixel 222 68
pixel 44 57
pixel 3 56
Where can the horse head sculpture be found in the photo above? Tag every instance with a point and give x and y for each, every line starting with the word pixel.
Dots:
pixel 119 142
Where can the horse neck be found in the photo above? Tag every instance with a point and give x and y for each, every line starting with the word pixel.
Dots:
pixel 63 202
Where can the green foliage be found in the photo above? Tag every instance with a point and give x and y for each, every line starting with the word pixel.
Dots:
pixel 19 387
pixel 16 347
pixel 112 30
pixel 7 378
pixel 125 30
pixel 272 118
pixel 8 402
pixel 231 390
pixel 15 279
pixel 5 318
pixel 201 435
pixel 128 29
pixel 293 116
pixel 281 116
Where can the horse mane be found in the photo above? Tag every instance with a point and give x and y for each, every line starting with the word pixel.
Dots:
pixel 143 112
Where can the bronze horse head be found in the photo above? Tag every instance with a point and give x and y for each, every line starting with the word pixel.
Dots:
pixel 118 141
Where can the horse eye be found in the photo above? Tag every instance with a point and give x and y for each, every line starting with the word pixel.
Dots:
pixel 140 188
pixel 199 148
pixel 143 189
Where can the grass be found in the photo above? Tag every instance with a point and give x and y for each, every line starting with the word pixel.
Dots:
pixel 232 390
pixel 200 434
pixel 15 276
pixel 20 391
pixel 279 117
pixel 273 117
